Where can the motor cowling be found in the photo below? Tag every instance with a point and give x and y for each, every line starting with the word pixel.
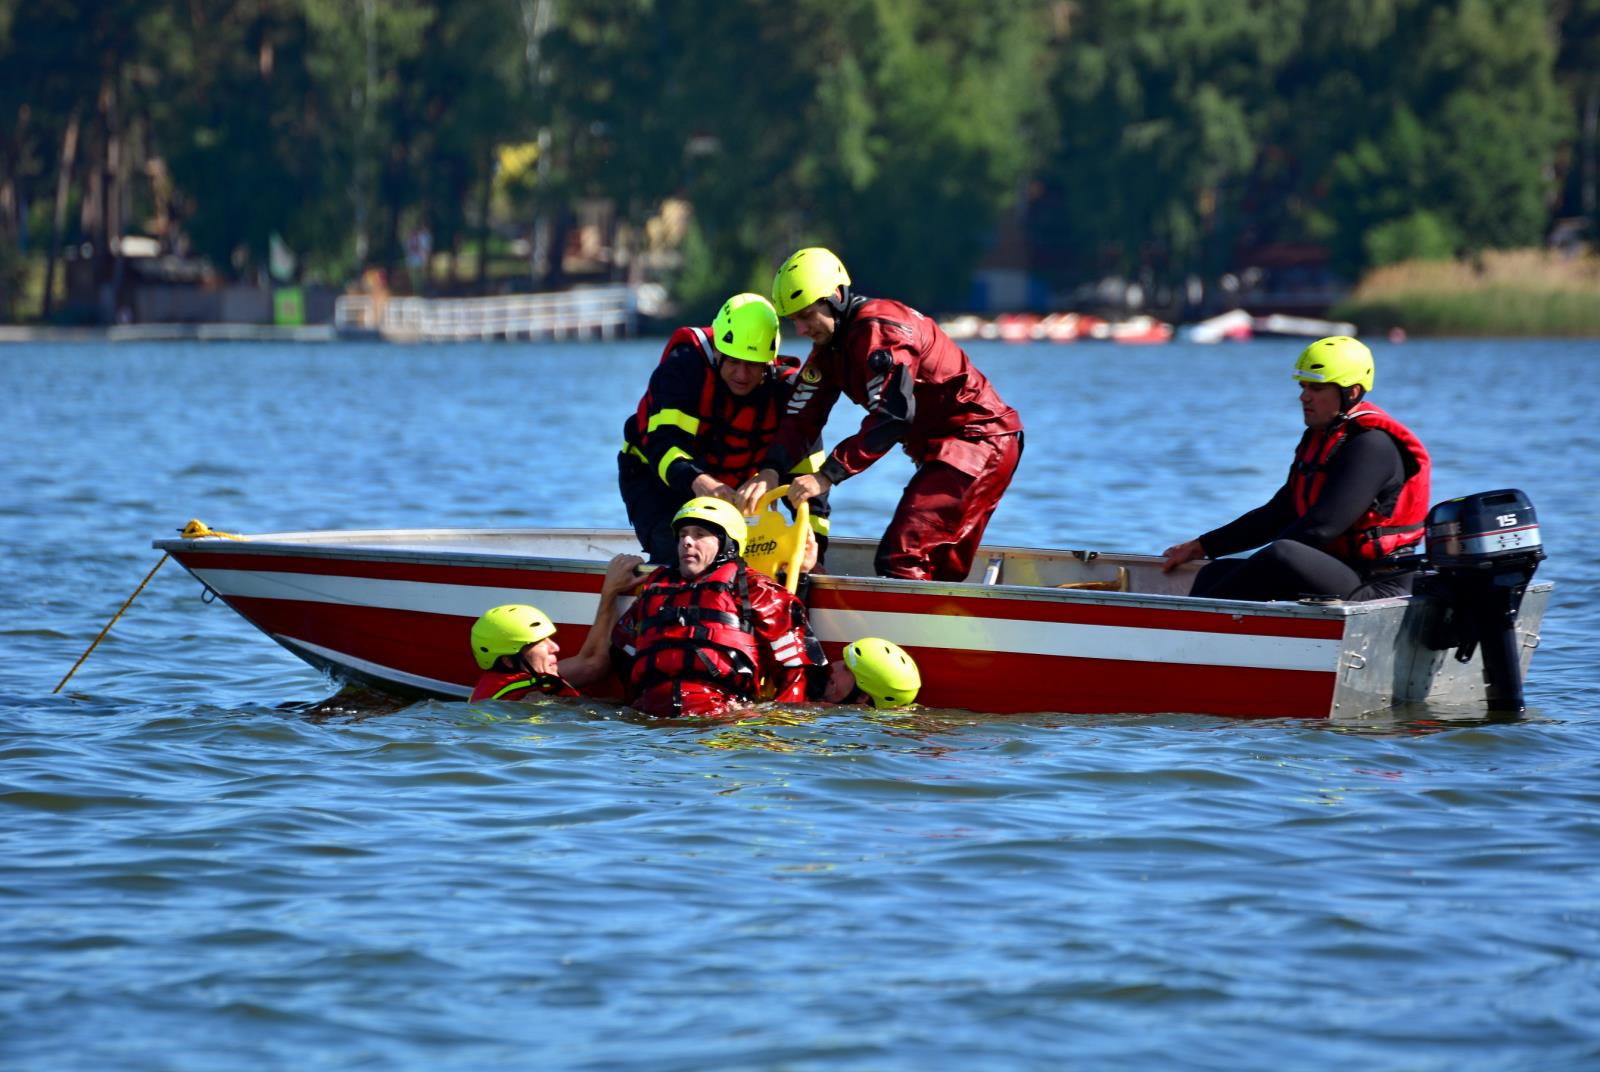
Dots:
pixel 1485 548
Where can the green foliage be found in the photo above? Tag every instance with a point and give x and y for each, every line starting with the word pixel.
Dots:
pixel 701 284
pixel 952 98
pixel 1500 312
pixel 1162 106
pixel 886 128
pixel 1421 236
pixel 1153 138
pixel 1383 128
pixel 1445 109
pixel 898 133
pixel 1526 292
pixel 231 120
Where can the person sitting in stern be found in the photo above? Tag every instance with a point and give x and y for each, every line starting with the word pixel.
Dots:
pixel 1348 522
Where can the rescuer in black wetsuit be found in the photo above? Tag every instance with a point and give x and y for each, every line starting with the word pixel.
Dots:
pixel 706 421
pixel 1348 522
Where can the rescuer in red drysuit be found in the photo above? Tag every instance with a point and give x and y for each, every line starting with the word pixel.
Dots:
pixel 920 390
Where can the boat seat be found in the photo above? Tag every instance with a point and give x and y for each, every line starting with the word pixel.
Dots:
pixel 1120 584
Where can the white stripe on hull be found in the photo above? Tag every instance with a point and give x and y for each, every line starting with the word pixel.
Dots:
pixel 1080 641
pixel 467 601
pixel 953 632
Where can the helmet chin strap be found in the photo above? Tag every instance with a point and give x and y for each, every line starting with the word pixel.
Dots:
pixel 727 550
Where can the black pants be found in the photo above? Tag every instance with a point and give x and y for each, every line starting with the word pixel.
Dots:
pixel 651 506
pixel 1285 569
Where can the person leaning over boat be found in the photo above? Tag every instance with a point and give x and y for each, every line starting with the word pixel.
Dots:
pixel 919 390
pixel 706 419
pixel 516 649
pixel 1348 522
pixel 709 633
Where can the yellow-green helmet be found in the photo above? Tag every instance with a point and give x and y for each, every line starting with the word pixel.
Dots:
pixel 809 274
pixel 506 630
pixel 1337 359
pixel 713 514
pixel 883 671
pixel 747 329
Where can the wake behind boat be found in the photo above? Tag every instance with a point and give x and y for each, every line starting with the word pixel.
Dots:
pixel 1029 630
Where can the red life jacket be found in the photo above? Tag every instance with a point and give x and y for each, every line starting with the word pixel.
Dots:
pixel 494 685
pixel 695 648
pixel 733 431
pixel 1375 536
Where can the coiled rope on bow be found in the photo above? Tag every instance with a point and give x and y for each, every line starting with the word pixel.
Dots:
pixel 194 530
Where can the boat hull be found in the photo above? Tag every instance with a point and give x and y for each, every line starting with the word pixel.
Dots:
pixel 393 610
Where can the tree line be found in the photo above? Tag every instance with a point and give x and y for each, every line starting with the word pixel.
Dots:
pixel 1151 139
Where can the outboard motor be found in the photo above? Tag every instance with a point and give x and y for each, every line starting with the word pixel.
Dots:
pixel 1485 548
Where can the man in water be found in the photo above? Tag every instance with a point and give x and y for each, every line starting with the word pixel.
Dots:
pixel 516 649
pixel 709 634
pixel 873 671
pixel 920 390
pixel 1348 522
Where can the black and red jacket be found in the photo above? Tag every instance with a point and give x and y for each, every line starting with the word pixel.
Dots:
pixel 522 685
pixel 689 423
pixel 1384 529
pixel 695 648
pixel 918 387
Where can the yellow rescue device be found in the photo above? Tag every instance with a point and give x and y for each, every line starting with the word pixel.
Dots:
pixel 774 543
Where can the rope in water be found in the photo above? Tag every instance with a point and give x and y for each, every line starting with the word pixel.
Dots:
pixel 194 530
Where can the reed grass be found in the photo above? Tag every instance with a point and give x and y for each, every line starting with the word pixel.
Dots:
pixel 1516 292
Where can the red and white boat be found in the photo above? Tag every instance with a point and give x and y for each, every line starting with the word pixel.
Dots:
pixel 393 609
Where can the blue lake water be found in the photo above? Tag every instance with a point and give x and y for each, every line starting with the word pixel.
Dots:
pixel 204 867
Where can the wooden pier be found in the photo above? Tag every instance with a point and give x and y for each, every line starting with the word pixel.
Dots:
pixel 603 312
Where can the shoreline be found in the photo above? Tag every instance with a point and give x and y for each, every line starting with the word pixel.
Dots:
pixel 1375 319
pixel 174 333
pixel 1500 293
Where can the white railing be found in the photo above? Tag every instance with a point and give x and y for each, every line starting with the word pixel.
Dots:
pixel 603 312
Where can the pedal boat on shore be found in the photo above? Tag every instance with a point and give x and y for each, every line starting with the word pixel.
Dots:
pixel 1031 630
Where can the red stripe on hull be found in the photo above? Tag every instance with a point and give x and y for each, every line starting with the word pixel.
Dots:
pixel 869 601
pixel 427 645
pixel 1009 683
pixel 435 646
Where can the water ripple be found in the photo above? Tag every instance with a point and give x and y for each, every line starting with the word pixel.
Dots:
pixel 214 860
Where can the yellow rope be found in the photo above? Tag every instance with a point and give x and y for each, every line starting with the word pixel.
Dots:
pixel 194 530
pixel 198 530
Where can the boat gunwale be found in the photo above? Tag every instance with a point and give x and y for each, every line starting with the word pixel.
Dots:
pixel 348 545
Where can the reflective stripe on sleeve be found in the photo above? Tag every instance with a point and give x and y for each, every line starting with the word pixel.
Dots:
pixel 809 464
pixel 672 455
pixel 674 418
